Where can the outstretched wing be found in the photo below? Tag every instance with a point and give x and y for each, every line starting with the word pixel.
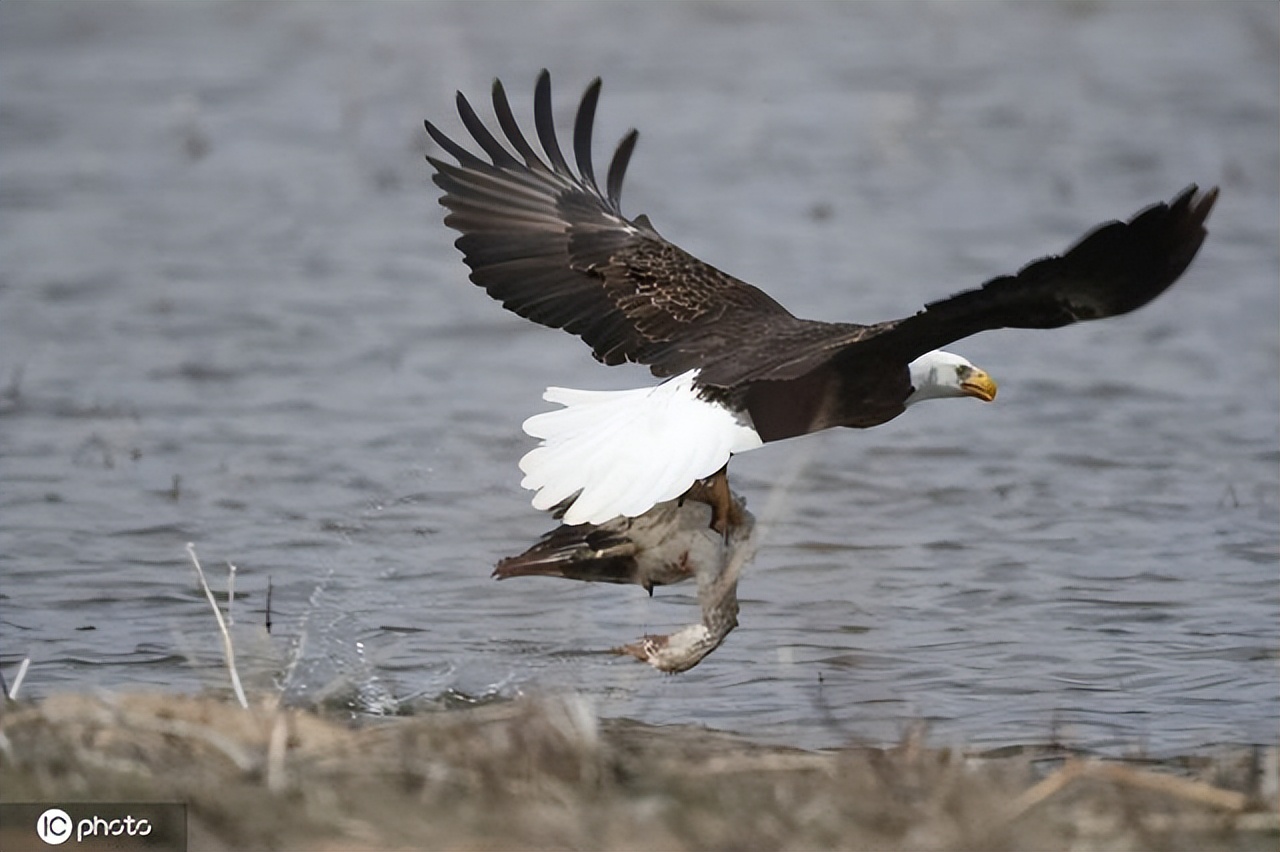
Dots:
pixel 1116 268
pixel 555 249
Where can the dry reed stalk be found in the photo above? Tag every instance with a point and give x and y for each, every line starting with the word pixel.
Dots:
pixel 17 681
pixel 227 648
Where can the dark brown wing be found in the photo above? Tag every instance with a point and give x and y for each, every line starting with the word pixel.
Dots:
pixel 553 248
pixel 1116 268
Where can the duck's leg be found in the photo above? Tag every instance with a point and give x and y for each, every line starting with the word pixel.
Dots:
pixel 718 598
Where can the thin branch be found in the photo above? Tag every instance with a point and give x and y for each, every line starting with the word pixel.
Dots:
pixel 227 648
pixel 231 592
pixel 17 681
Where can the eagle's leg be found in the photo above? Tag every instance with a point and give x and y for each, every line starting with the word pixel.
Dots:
pixel 714 491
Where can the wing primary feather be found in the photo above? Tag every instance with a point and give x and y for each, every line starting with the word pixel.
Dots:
pixel 1203 205
pixel 501 156
pixel 507 121
pixel 582 134
pixel 544 121
pixel 464 157
pixel 618 168
pixel 471 186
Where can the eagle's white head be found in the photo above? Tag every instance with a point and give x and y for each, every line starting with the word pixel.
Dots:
pixel 939 374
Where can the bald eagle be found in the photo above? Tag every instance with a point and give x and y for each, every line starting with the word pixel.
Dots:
pixel 553 246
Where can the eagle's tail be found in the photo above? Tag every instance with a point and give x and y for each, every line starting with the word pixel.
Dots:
pixel 621 452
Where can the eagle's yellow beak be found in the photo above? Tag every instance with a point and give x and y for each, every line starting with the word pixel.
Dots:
pixel 978 384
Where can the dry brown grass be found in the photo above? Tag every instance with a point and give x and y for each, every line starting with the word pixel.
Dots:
pixel 547 774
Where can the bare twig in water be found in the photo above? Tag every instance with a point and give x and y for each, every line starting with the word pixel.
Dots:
pixel 268 604
pixel 17 680
pixel 231 593
pixel 227 648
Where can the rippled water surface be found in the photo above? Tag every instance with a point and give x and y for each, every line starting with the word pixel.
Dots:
pixel 230 315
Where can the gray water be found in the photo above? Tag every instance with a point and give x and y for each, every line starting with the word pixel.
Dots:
pixel 230 315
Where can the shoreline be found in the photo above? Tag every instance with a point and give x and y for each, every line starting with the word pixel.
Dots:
pixel 546 772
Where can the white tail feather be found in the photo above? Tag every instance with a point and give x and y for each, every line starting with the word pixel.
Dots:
pixel 623 451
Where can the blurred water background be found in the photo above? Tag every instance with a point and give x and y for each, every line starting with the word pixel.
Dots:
pixel 230 315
